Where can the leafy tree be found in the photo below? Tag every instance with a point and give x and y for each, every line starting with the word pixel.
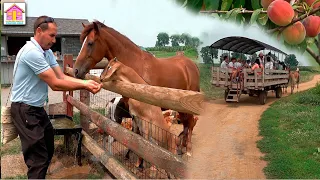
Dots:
pixel 239 55
pixel 195 42
pixel 253 57
pixel 291 59
pixel 251 12
pixel 208 54
pixel 175 39
pixel 162 39
pixel 186 39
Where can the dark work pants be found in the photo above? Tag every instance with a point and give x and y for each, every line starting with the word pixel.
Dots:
pixel 37 138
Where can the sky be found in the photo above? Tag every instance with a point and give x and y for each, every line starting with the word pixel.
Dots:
pixel 142 20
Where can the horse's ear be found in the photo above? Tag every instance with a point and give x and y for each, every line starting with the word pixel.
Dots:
pixel 96 27
pixel 83 25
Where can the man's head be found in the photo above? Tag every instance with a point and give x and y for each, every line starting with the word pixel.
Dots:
pixel 225 58
pixel 233 59
pixel 268 59
pixel 45 31
pixel 261 54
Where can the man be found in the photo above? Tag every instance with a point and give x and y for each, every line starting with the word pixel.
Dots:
pixel 269 64
pixel 36 68
pixel 238 63
pixel 232 63
pixel 261 58
pixel 224 63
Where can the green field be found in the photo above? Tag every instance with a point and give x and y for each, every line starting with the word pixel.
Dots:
pixel 291 136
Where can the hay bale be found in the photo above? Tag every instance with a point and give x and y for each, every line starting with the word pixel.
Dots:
pixel 8 130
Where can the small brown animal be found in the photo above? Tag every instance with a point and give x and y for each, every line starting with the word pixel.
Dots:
pixel 295 78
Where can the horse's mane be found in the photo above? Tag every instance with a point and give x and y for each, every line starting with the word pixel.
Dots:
pixel 114 33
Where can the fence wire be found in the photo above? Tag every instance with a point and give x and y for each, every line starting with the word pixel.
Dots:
pixel 141 168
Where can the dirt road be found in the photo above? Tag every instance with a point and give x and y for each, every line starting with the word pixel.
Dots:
pixel 224 139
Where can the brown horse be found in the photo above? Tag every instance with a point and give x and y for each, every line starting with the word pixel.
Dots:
pixel 175 72
pixel 294 78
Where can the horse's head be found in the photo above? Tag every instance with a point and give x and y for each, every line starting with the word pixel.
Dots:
pixel 92 51
pixel 110 70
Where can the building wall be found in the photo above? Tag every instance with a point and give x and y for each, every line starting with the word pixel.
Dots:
pixel 4 46
pixel 71 45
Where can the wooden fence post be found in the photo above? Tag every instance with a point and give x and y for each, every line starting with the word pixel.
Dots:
pixel 84 119
pixel 68 62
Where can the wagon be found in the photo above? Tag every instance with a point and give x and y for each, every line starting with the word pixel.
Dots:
pixel 257 82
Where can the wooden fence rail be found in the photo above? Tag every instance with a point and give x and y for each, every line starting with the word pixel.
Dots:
pixel 175 99
pixel 152 153
pixel 113 165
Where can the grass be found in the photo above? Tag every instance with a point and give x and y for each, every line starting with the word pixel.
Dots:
pixel 306 76
pixel 291 136
pixel 17 177
pixel 13 147
pixel 190 53
pixel 210 91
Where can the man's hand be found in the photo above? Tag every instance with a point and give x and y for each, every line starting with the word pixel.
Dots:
pixel 92 86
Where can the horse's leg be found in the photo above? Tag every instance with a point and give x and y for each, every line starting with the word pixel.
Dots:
pixel 298 79
pixel 187 120
pixel 192 122
pixel 135 129
pixel 292 86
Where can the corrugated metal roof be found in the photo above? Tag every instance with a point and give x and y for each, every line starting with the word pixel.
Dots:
pixel 242 45
pixel 71 27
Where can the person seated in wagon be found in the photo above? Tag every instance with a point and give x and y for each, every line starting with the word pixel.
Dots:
pixel 257 65
pixel 269 64
pixel 224 64
pixel 232 63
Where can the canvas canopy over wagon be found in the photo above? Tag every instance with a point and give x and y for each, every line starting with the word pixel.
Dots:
pixel 253 82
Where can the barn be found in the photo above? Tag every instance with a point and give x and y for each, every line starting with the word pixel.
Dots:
pixel 14 37
pixel 68 42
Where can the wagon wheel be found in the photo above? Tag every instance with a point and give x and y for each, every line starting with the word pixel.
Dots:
pixel 263 97
pixel 226 92
pixel 278 92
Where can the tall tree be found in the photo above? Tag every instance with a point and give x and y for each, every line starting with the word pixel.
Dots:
pixel 208 54
pixel 195 42
pixel 186 39
pixel 162 39
pixel 175 39
pixel 239 55
pixel 291 59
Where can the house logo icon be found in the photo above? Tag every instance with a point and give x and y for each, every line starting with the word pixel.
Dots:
pixel 14 13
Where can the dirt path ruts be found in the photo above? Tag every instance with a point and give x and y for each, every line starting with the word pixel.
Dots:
pixel 224 139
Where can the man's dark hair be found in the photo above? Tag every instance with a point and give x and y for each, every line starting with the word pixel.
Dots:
pixel 268 58
pixel 42 23
pixel 225 57
pixel 233 58
pixel 257 61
